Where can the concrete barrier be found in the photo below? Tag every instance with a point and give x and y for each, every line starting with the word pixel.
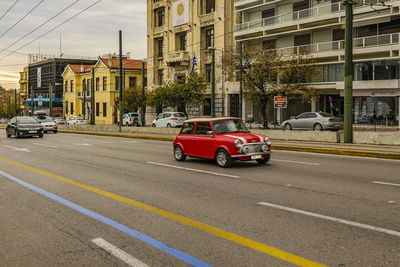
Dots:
pixel 377 138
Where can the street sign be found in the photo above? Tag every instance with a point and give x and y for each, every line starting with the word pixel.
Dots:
pixel 280 101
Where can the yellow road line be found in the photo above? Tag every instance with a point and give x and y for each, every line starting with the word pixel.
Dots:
pixel 277 253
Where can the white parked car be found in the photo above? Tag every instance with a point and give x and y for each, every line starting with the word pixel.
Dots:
pixel 169 119
pixel 76 120
pixel 131 119
pixel 48 123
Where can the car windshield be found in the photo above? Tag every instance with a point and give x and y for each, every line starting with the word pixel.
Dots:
pixel 44 119
pixel 26 120
pixel 229 126
pixel 179 115
pixel 133 115
pixel 324 114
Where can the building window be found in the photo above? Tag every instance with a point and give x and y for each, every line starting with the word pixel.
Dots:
pixel 209 38
pixel 181 41
pixel 208 73
pixel 160 77
pixel 160 47
pixel 66 86
pixel 210 6
pixel 88 85
pixel 72 85
pixel 104 83
pixel 104 109
pixel 132 82
pixel 159 17
pixel 97 84
pixel 116 83
pixel 72 108
pixel 97 109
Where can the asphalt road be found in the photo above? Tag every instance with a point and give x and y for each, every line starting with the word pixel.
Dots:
pixel 78 200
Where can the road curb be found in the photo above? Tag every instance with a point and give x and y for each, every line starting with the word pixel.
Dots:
pixel 344 152
pixel 333 151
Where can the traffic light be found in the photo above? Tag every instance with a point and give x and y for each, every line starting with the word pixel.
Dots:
pixel 117 100
pixel 25 97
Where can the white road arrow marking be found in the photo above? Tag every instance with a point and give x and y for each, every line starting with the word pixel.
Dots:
pixel 82 144
pixel 45 145
pixel 17 149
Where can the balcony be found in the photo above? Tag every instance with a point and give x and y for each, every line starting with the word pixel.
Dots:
pixel 310 16
pixel 207 19
pixel 178 58
pixel 370 44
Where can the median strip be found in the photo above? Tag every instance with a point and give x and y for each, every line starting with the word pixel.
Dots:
pixel 246 242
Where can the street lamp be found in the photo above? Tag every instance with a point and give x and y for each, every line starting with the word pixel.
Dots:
pixel 212 49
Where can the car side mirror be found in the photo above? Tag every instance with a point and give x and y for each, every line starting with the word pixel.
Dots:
pixel 210 133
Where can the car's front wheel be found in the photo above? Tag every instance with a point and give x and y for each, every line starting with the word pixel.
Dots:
pixel 288 127
pixel 153 125
pixel 8 135
pixel 264 160
pixel 178 154
pixel 317 127
pixel 40 135
pixel 55 131
pixel 17 134
pixel 223 159
pixel 168 125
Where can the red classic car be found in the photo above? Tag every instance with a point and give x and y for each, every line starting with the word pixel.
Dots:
pixel 222 139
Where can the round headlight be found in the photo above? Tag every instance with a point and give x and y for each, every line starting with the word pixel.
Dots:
pixel 238 143
pixel 267 140
pixel 264 148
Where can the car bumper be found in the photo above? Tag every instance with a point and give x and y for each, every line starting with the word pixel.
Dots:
pixel 30 133
pixel 332 126
pixel 251 154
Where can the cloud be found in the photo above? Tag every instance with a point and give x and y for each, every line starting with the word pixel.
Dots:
pixel 92 33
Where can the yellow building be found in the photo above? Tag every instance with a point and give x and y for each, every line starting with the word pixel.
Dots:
pixel 178 31
pixel 106 80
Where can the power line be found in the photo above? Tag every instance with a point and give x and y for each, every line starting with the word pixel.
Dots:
pixel 8 10
pixel 59 25
pixel 44 23
pixel 30 11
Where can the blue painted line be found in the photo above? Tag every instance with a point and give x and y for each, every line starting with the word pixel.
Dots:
pixel 149 240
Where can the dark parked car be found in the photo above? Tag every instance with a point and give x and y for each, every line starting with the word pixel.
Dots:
pixel 24 126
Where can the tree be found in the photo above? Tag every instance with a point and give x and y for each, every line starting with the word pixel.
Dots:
pixel 133 99
pixel 157 98
pixel 187 92
pixel 269 72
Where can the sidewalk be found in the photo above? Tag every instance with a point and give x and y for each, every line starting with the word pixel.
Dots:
pixel 374 151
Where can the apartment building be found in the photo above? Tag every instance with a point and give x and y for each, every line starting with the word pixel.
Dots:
pixel 179 31
pixel 78 79
pixel 318 27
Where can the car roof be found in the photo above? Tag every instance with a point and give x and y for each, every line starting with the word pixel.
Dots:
pixel 212 119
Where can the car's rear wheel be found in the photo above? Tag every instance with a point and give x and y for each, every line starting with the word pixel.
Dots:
pixel 178 153
pixel 264 160
pixel 40 135
pixel 223 159
pixel 153 125
pixel 55 131
pixel 317 127
pixel 288 127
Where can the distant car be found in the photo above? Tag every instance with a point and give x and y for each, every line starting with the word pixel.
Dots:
pixel 222 139
pixel 316 121
pixel 60 120
pixel 24 126
pixel 75 120
pixel 4 121
pixel 169 119
pixel 131 119
pixel 48 123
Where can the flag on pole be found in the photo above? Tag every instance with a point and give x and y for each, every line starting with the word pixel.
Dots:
pixel 194 62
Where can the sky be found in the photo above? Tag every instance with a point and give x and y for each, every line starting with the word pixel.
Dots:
pixel 92 33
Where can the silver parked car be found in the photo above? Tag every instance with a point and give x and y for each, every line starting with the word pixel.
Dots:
pixel 169 119
pixel 316 121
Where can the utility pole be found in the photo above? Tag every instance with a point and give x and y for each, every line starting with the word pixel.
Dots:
pixel 121 100
pixel 92 103
pixel 32 102
pixel 213 82
pixel 348 74
pixel 51 100
pixel 84 100
pixel 241 80
pixel 15 101
pixel 143 108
